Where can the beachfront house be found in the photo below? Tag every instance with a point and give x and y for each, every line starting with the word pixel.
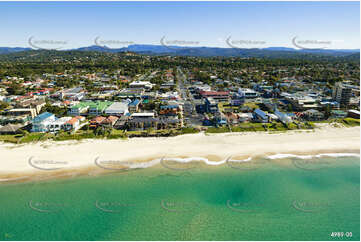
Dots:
pixel 260 116
pixel 141 121
pixel 95 122
pixel 109 121
pixel 41 122
pixel 11 129
pixel 117 109
pixel 58 124
pixel 284 118
pixel 72 124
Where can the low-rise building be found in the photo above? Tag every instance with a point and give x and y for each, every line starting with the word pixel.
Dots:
pixel 41 122
pixel 210 104
pixel 134 105
pixel 58 124
pixel 260 116
pixel 117 109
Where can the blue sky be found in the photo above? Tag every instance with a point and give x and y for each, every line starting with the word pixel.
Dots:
pixel 257 24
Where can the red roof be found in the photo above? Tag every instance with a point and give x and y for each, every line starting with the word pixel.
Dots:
pixel 98 119
pixel 72 121
pixel 213 93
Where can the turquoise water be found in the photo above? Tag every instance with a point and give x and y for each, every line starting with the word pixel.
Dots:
pixel 275 201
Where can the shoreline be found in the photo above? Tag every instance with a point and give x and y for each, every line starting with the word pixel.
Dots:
pixel 52 159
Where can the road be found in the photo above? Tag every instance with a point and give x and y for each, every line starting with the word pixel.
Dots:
pixel 190 115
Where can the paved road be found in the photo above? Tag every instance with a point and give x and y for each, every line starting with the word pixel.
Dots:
pixel 189 111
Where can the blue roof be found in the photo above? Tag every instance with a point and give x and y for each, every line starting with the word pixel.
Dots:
pixel 260 113
pixel 42 116
pixel 134 103
pixel 169 106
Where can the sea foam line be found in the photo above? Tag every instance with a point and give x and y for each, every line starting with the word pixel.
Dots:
pixel 335 155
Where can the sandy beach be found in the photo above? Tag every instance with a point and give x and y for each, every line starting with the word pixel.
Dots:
pixel 55 158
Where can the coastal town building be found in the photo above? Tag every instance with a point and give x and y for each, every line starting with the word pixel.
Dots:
pixel 41 122
pixel 341 94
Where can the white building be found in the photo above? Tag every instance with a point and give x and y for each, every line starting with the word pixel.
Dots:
pixel 284 118
pixel 41 122
pixel 143 84
pixel 247 93
pixel 58 124
pixel 117 109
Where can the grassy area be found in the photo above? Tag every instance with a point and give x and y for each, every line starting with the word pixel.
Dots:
pixel 251 105
pixel 251 127
pixel 351 122
pixel 10 138
pixel 120 134
pixel 348 122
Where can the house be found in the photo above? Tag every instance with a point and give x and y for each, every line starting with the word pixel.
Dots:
pixel 134 105
pixel 72 124
pixel 142 84
pixel 131 93
pixel 117 109
pixel 58 124
pixel 32 104
pixel 247 93
pixel 98 108
pixel 11 129
pixel 245 117
pixel 41 122
pixel 312 115
pixel 260 116
pixel 141 121
pixel 109 121
pixel 121 122
pixel 31 112
pixel 79 109
pixel 95 122
pixel 221 96
pixel 284 118
pixel 220 119
pixel 169 109
pixel 338 114
pixel 74 94
pixel 168 122
pixel 353 114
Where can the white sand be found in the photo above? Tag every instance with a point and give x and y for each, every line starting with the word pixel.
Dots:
pixel 14 159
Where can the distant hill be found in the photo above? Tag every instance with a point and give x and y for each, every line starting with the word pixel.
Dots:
pixel 270 52
pixel 7 50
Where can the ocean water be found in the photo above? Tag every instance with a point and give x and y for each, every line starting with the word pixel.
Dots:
pixel 279 199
